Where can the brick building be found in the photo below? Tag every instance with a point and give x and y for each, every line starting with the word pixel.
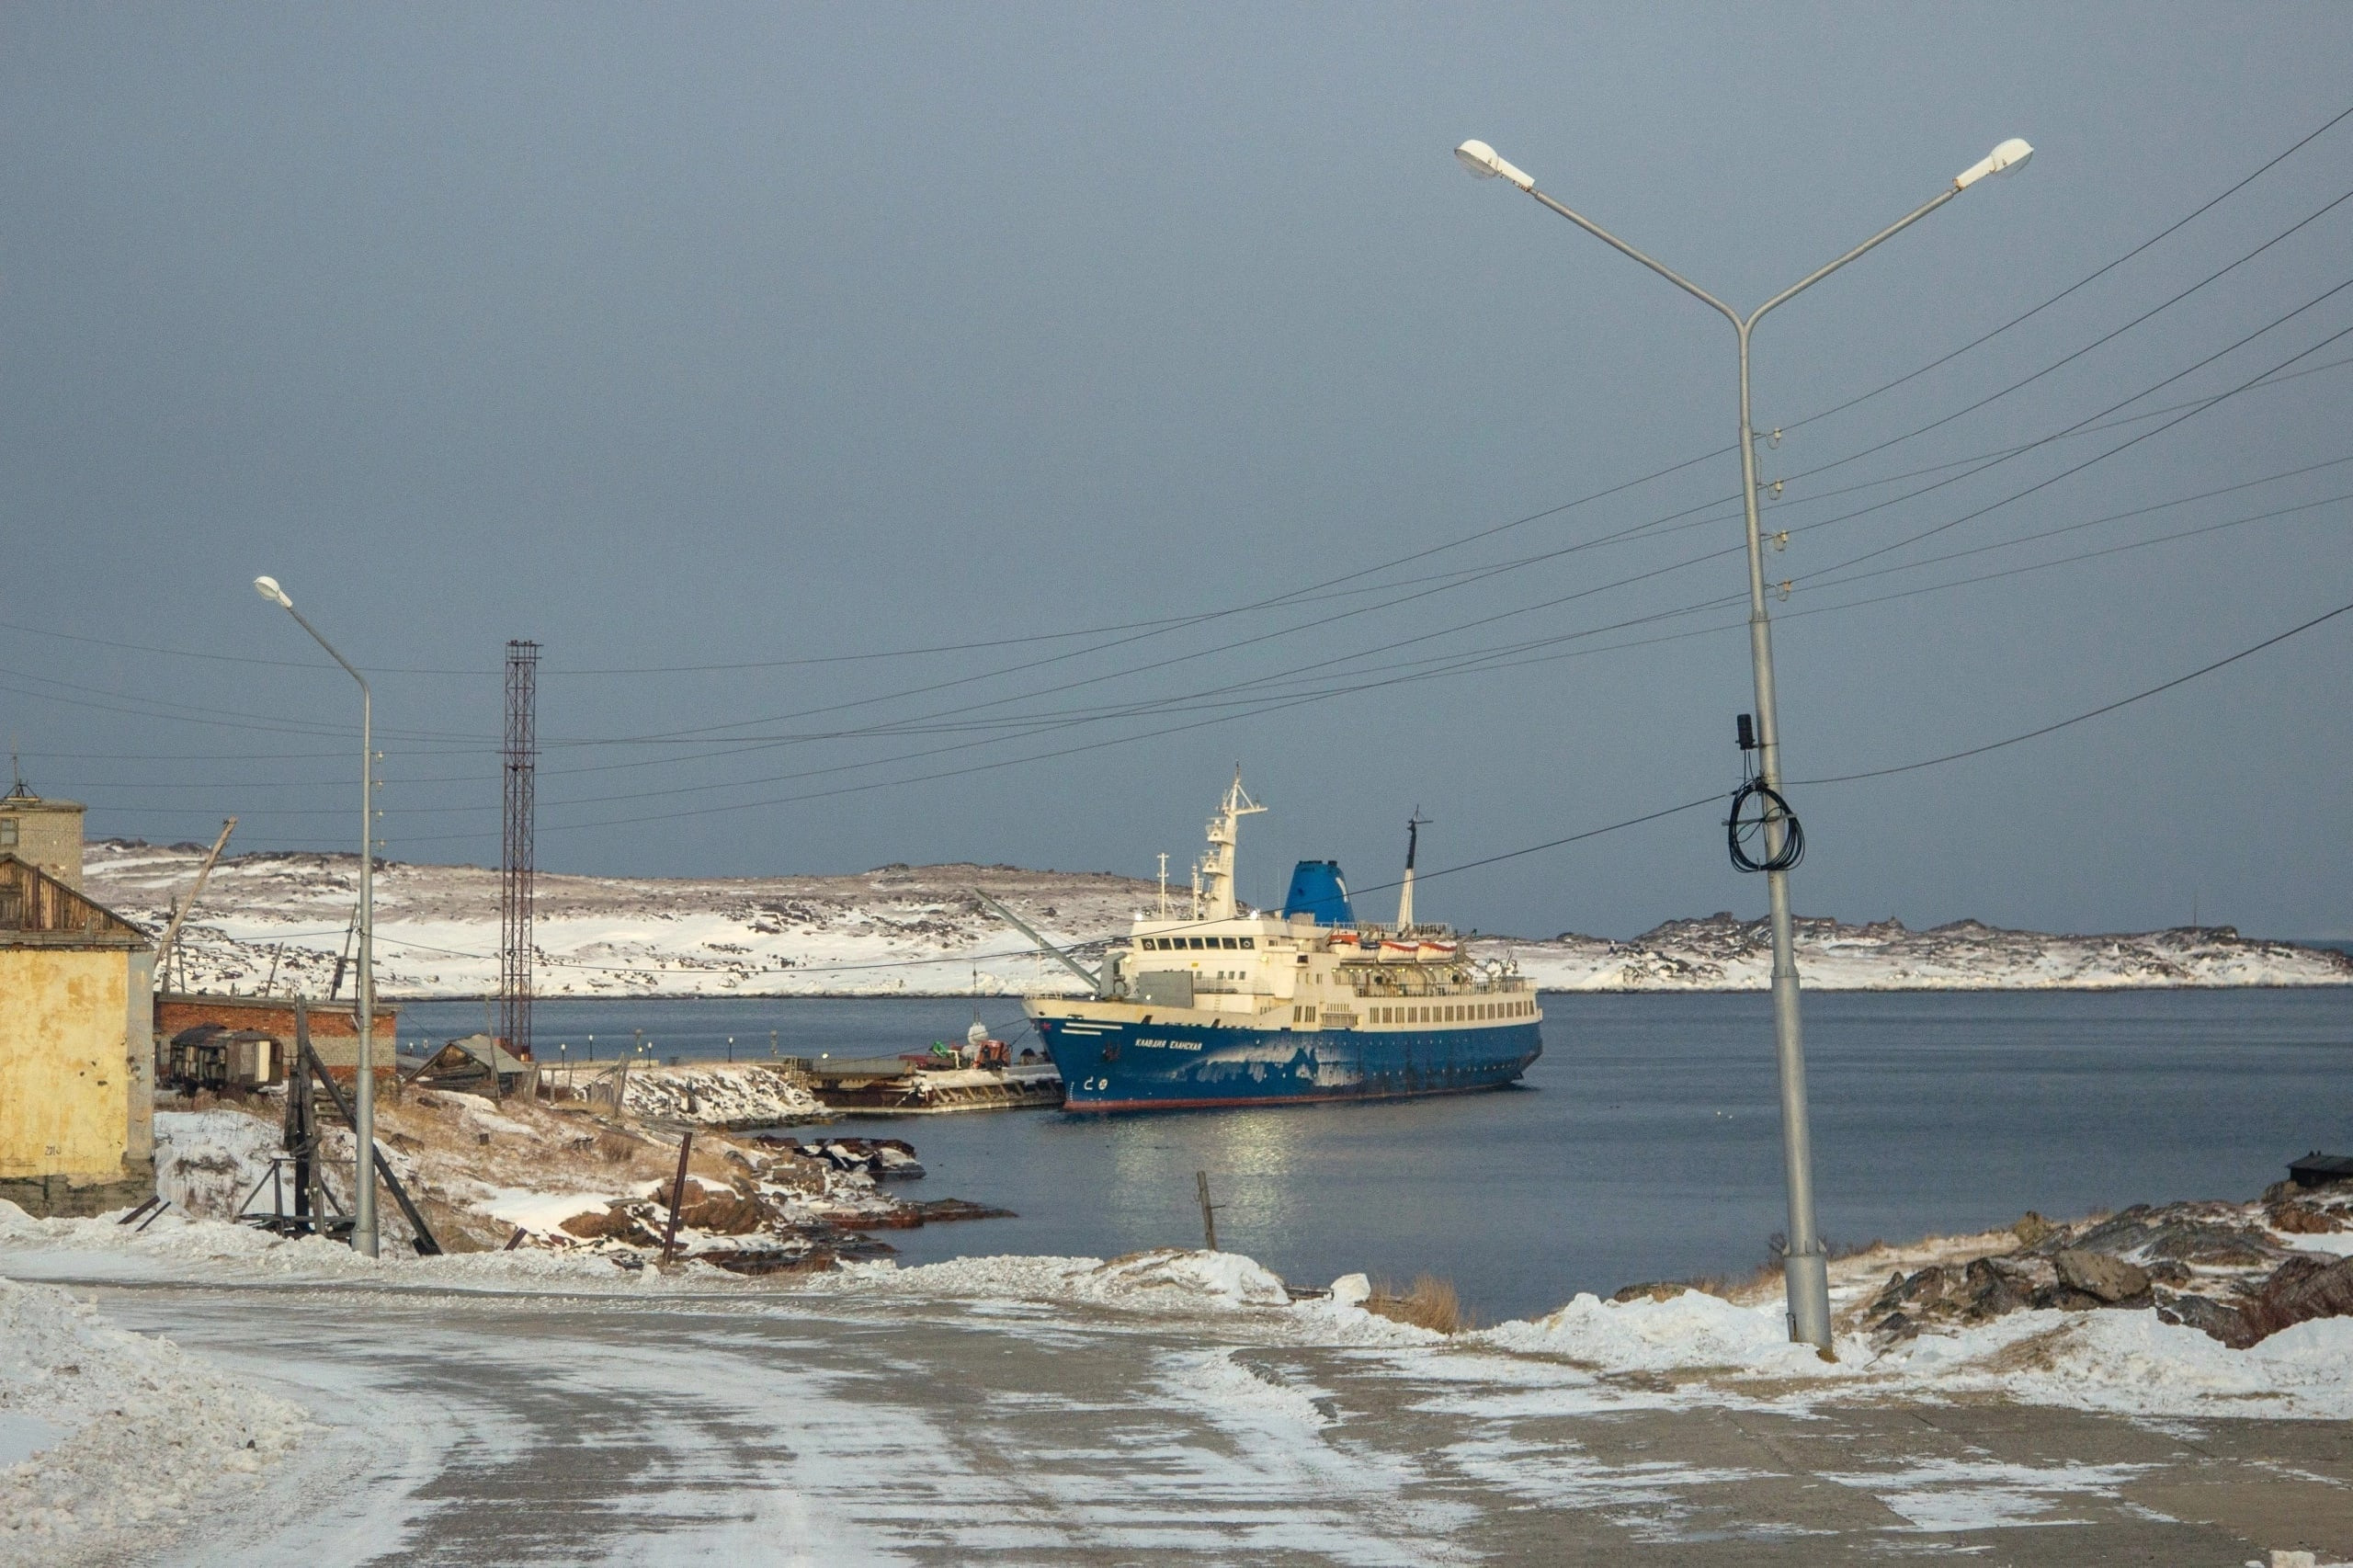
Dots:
pixel 335 1026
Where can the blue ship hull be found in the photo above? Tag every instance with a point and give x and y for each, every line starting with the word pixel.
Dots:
pixel 1111 1066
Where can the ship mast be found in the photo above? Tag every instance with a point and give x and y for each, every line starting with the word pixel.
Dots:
pixel 1414 825
pixel 1217 872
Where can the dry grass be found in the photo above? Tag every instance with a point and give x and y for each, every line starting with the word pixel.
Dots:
pixel 1431 1303
pixel 457 1152
pixel 563 1149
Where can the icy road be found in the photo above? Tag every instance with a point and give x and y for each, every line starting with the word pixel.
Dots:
pixel 484 1427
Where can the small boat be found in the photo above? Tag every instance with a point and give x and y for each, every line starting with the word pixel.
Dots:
pixel 983 1074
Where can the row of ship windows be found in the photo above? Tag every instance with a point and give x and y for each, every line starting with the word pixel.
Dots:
pixel 1433 1013
pixel 1181 943
pixel 1453 1012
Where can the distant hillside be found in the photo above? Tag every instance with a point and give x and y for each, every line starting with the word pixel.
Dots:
pixel 916 930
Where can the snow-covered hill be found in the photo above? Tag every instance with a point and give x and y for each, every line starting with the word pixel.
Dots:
pixel 1723 953
pixel 917 930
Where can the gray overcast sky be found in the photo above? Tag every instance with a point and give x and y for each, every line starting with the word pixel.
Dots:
pixel 730 335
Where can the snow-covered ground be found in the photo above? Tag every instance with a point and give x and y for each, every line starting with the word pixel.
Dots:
pixel 1174 1405
pixel 904 930
pixel 1686 1348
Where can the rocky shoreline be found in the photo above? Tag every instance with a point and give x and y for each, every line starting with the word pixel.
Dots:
pixel 2230 1270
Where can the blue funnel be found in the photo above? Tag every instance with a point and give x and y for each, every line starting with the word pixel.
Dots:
pixel 1317 889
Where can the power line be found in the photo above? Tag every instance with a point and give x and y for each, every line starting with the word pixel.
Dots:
pixel 1473 575
pixel 1484 660
pixel 1660 815
pixel 2097 273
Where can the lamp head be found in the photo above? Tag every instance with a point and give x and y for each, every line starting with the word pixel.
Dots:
pixel 267 588
pixel 1483 164
pixel 2010 154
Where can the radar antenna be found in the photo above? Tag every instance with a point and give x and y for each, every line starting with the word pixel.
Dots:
pixel 1217 869
pixel 1414 825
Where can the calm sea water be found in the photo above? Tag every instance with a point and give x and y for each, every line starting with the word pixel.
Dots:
pixel 1645 1144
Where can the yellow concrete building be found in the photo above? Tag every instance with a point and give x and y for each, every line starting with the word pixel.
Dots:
pixel 76 1048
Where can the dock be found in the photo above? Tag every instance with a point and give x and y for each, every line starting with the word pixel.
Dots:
pixel 912 1085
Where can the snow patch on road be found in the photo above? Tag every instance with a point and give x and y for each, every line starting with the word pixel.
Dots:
pixel 1946 1496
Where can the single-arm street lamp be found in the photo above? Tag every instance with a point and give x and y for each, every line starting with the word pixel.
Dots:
pixel 363 1100
pixel 1805 1269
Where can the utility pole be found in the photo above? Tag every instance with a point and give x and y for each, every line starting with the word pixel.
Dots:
pixel 1804 1269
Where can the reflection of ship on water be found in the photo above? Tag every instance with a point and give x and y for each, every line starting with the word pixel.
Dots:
pixel 1217 1008
pixel 984 1074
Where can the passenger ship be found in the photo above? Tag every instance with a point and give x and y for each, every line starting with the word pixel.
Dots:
pixel 1218 1007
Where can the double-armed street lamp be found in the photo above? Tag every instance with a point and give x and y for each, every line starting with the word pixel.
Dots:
pixel 363 1101
pixel 1805 1269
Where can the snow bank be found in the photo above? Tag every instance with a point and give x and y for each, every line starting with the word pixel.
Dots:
pixel 2128 1362
pixel 138 1439
pixel 2111 1360
pixel 173 1247
pixel 1165 1278
pixel 1224 1277
pixel 1691 1332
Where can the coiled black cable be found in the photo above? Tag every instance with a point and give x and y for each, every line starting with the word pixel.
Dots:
pixel 1772 808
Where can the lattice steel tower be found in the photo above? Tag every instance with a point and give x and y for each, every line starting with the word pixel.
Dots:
pixel 516 853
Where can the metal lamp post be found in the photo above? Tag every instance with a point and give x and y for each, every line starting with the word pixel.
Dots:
pixel 1805 1269
pixel 363 1203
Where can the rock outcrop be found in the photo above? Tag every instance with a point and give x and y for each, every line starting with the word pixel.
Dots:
pixel 2228 1270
